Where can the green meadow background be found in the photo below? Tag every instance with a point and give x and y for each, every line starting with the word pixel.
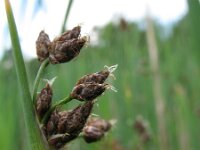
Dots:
pixel 174 84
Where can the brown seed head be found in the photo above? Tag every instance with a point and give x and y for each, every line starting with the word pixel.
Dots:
pixel 42 46
pixel 95 129
pixel 43 102
pixel 74 121
pixel 51 127
pixel 98 77
pixel 70 34
pixel 92 134
pixel 70 124
pixel 64 51
pixel 63 48
pixel 99 123
pixel 57 141
pixel 88 92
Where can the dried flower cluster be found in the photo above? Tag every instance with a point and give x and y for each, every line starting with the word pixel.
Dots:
pixel 91 86
pixel 61 127
pixel 63 48
pixel 64 126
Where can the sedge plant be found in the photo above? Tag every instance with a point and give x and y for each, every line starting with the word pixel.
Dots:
pixel 47 125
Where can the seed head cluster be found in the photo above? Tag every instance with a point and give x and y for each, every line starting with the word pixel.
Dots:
pixel 58 126
pixel 64 126
pixel 63 48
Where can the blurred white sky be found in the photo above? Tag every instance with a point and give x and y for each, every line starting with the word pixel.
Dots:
pixel 89 13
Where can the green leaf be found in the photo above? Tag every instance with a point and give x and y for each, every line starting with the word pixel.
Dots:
pixel 33 131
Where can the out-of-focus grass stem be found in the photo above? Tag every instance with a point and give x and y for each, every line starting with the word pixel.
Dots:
pixel 66 15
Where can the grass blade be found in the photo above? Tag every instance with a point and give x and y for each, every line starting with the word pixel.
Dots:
pixel 35 137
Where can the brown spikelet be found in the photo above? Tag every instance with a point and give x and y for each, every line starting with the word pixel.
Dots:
pixel 64 51
pixel 70 34
pixel 92 134
pixel 99 123
pixel 70 124
pixel 43 102
pixel 74 121
pixel 95 129
pixel 51 127
pixel 98 77
pixel 42 46
pixel 63 48
pixel 57 141
pixel 88 92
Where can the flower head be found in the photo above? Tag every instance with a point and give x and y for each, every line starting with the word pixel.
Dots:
pixel 90 86
pixel 64 51
pixel 69 124
pixel 42 46
pixel 70 34
pixel 92 134
pixel 98 77
pixel 51 127
pixel 43 102
pixel 63 48
pixel 95 129
pixel 88 92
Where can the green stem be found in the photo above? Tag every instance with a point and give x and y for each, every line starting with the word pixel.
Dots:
pixel 37 79
pixel 32 129
pixel 59 103
pixel 66 15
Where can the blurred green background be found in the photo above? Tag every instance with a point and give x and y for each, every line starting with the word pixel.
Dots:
pixel 158 81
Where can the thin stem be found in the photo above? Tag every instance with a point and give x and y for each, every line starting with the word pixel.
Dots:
pixel 59 103
pixel 37 79
pixel 66 15
pixel 32 129
pixel 157 84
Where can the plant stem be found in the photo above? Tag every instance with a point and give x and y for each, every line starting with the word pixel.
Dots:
pixel 59 103
pixel 66 15
pixel 33 131
pixel 37 79
pixel 157 84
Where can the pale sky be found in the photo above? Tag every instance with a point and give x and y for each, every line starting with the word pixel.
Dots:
pixel 88 13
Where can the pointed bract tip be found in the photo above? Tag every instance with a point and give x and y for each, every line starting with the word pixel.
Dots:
pixel 111 68
pixel 108 86
pixel 113 122
pixel 51 81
